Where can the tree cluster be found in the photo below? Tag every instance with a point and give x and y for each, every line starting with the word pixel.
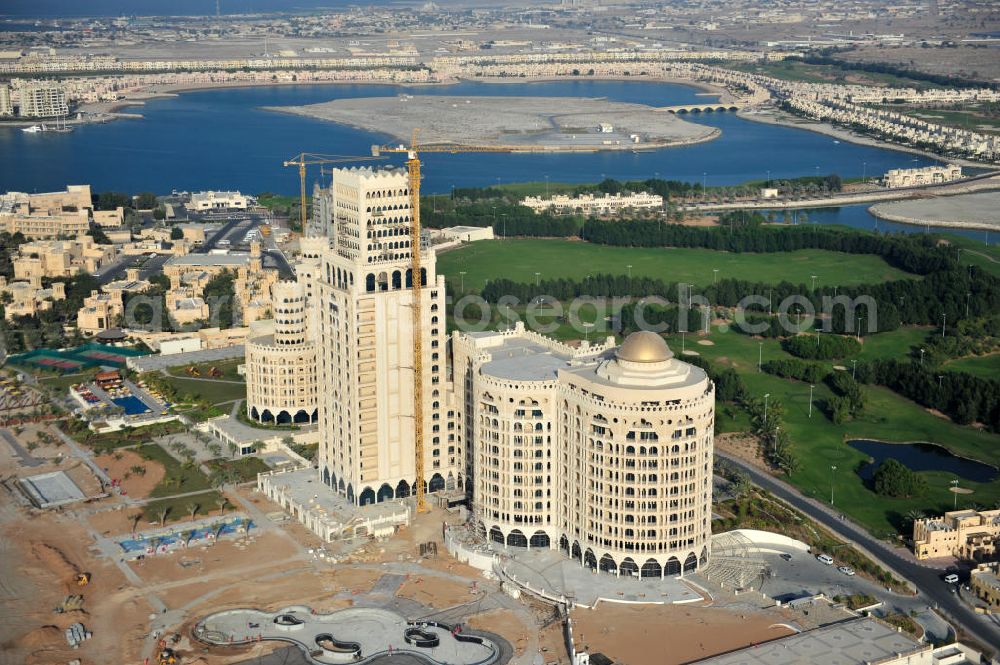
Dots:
pixel 800 370
pixel 821 347
pixel 892 478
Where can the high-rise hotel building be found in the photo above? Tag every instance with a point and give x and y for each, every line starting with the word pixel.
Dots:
pixel 364 298
pixel 602 451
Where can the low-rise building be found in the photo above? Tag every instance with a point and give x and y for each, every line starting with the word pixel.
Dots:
pixel 61 258
pixel 110 219
pixel 6 105
pixel 985 583
pixel 218 201
pixel 589 204
pixel 49 215
pixel 965 534
pixel 100 311
pixel 468 233
pixel 928 175
pixel 28 298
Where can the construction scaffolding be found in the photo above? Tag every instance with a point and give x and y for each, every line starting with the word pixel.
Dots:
pixel 736 562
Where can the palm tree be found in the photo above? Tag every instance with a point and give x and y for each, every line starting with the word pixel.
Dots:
pixel 192 509
pixel 135 518
pixel 223 504
pixel 913 516
pixel 162 513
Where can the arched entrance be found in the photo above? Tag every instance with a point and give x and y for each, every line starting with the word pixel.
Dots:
pixel 384 493
pixel 690 563
pixel 517 539
pixel 496 535
pixel 608 564
pixel 539 539
pixel 367 496
pixel 651 569
pixel 628 568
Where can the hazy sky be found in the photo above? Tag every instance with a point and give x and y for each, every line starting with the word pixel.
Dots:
pixel 57 8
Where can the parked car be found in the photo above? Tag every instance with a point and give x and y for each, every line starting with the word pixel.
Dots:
pixel 951 578
pixel 825 558
pixel 786 556
pixel 847 570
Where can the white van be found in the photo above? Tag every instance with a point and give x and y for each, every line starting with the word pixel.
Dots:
pixel 825 558
pixel 951 578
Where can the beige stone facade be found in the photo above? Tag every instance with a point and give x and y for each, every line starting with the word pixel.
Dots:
pixel 100 311
pixel 61 258
pixel 928 175
pixel 281 362
pixel 985 583
pixel 965 534
pixel 190 274
pixel 604 453
pixel 363 295
pixel 48 215
pixel 29 297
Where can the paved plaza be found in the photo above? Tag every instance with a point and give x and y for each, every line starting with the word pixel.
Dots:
pixel 551 572
pixel 357 634
pixel 48 490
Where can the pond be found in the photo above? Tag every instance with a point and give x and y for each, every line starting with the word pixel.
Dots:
pixel 922 457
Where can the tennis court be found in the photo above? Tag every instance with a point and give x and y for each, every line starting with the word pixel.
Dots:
pixel 71 361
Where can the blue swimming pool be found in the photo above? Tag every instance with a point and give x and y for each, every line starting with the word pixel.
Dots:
pixel 216 530
pixel 132 405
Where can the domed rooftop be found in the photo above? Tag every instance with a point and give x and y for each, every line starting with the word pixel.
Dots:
pixel 644 347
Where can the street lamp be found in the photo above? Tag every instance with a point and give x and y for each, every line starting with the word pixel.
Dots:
pixel 537 275
pixel 766 395
pixel 967 296
pixel 854 369
pixel 944 322
pixel 629 266
pixel 922 357
pixel 760 356
pixel 715 275
pixel 832 469
pixel 462 274
pixel 940 379
pixel 954 492
pixel 811 387
pixel 813 282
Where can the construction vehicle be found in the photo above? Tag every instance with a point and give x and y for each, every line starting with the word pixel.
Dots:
pixel 83 579
pixel 413 169
pixel 265 230
pixel 304 159
pixel 167 656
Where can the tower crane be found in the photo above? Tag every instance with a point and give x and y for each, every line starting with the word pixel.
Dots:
pixel 304 159
pixel 413 170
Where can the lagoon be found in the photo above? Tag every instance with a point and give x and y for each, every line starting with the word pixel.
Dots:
pixel 221 139
pixel 922 457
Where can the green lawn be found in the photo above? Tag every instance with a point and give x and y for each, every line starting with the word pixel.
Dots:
pixel 226 367
pixel 212 392
pixel 178 479
pixel 519 260
pixel 987 367
pixel 245 468
pixel 820 444
pixel 66 380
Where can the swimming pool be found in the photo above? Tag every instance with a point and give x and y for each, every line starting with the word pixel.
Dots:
pixel 132 405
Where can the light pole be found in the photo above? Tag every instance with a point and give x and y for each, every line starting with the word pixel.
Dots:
pixel 769 312
pixel 944 323
pixel 462 274
pixel 967 296
pixel 503 215
pixel 818 331
pixel 940 379
pixel 715 275
pixel 682 342
pixel 921 357
pixel 546 185
pixel 766 395
pixel 813 282
pixel 537 275
pixel 704 190
pixel 854 369
pixel 954 486
pixel 811 400
pixel 832 469
pixel 760 356
pixel 629 266
pixel 857 334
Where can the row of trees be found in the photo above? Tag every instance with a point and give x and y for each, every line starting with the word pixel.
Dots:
pixel 962 397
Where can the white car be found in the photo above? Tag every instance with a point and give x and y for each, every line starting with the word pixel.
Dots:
pixel 951 578
pixel 825 558
pixel 847 570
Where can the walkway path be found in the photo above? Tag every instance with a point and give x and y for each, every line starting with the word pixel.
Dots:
pixel 926 579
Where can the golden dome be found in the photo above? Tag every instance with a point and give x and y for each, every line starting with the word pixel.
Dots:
pixel 644 347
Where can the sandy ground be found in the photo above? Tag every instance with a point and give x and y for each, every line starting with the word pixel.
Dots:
pixel 438 593
pixel 963 211
pixel 510 121
pixel 136 485
pixel 637 635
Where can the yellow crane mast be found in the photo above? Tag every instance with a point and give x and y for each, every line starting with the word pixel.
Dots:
pixel 304 159
pixel 413 169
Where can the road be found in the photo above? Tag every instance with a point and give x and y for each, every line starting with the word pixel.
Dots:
pixel 927 580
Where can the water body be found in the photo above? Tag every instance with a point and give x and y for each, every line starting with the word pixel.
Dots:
pixel 922 457
pixel 857 216
pixel 221 138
